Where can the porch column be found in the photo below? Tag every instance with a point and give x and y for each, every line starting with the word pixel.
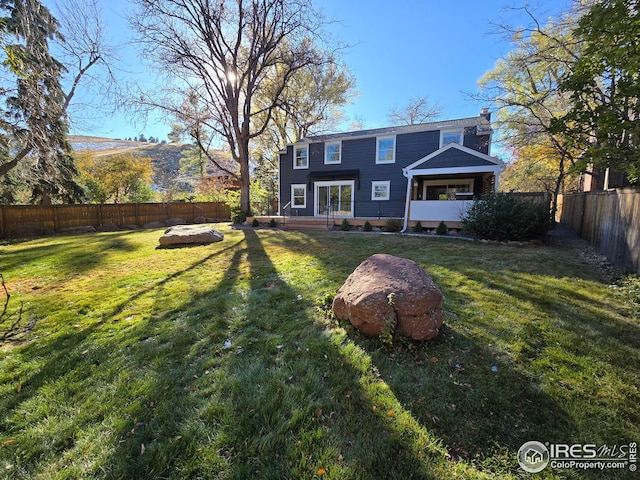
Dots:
pixel 407 209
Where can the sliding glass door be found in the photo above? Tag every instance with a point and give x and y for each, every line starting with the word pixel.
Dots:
pixel 334 198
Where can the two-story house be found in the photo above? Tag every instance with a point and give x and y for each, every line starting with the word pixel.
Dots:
pixel 428 172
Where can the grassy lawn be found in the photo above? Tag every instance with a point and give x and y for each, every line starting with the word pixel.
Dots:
pixel 222 361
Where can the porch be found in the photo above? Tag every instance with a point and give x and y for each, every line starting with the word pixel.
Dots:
pixel 441 187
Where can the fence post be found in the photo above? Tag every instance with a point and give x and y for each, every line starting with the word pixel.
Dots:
pixel 1 221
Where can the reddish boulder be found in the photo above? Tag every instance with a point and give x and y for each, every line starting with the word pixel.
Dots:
pixel 387 292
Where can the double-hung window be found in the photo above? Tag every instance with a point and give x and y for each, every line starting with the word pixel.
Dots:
pixel 332 152
pixel 298 195
pixel 300 156
pixel 386 150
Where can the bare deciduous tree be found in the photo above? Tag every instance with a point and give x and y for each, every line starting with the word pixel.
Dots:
pixel 89 57
pixel 227 54
pixel 417 110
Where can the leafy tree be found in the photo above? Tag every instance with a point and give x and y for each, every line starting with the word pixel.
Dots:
pixel 524 86
pixel 605 89
pixel 310 105
pixel 120 178
pixel 224 52
pixel 417 110
pixel 33 118
pixel 535 168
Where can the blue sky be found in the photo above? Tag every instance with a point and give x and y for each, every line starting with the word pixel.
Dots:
pixel 399 50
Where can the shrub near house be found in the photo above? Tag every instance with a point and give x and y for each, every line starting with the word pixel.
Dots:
pixel 504 217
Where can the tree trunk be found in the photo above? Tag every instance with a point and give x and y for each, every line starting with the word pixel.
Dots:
pixel 245 180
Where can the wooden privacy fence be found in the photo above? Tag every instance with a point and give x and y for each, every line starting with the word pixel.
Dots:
pixel 56 218
pixel 609 220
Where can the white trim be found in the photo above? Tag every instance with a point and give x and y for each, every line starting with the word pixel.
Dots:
pixel 300 147
pixel 384 183
pixel 304 189
pixel 406 202
pixel 326 145
pixel 378 140
pixel 458 170
pixel 458 130
pixel 316 186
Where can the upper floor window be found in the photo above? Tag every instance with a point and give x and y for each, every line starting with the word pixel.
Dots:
pixel 300 156
pixel 450 136
pixel 332 152
pixel 386 150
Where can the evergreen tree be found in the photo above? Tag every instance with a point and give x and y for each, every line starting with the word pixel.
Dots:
pixel 33 125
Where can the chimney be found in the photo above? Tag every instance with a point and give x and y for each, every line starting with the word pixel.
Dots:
pixel 485 113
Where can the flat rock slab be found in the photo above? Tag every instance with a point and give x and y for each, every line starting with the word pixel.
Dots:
pixel 190 235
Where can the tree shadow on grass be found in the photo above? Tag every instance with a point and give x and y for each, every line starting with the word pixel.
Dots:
pixel 580 343
pixel 242 381
pixel 475 400
pixel 239 381
pixel 259 390
pixel 493 380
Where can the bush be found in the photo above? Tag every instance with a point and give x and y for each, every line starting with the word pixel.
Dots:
pixel 345 226
pixel 255 222
pixel 367 226
pixel 442 229
pixel 417 228
pixel 393 225
pixel 237 215
pixel 504 217
pixel 272 223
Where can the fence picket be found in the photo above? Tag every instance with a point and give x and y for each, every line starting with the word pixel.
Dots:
pixel 15 217
pixel 609 220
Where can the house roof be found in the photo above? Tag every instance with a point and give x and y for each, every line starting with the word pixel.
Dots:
pixel 483 124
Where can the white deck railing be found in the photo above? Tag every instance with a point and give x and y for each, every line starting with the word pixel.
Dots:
pixel 438 210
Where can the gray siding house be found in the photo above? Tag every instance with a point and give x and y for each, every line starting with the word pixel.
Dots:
pixel 428 172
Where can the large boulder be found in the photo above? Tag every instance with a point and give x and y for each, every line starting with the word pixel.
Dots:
pixel 387 292
pixel 190 235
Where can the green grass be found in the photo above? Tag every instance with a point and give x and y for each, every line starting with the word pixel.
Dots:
pixel 222 361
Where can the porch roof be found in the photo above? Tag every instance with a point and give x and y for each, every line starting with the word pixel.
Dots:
pixel 454 159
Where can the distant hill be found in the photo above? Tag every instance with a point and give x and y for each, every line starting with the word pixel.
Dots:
pixel 164 156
